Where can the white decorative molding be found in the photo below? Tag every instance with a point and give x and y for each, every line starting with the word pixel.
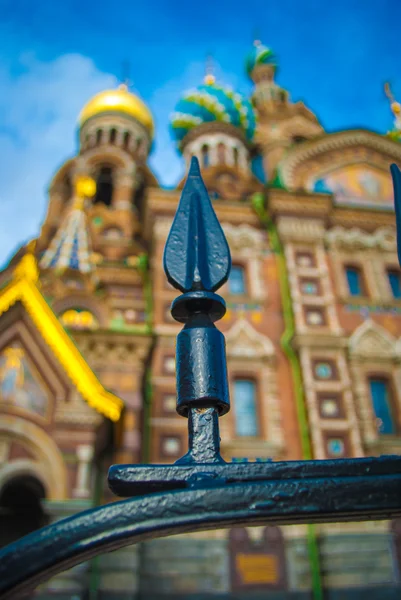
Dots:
pixel 85 453
pixel 383 238
pixel 243 341
pixel 162 228
pixel 371 341
pixel 300 230
pixel 244 239
pixel 75 410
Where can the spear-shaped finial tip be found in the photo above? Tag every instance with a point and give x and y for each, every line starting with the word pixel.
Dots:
pixel 194 168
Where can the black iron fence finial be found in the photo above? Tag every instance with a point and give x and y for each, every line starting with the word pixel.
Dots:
pixel 197 261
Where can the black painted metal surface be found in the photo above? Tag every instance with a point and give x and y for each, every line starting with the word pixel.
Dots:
pixel 201 491
pixel 205 504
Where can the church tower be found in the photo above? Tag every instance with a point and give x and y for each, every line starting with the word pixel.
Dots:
pixel 281 122
pixel 92 254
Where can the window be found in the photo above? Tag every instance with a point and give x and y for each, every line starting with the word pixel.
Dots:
pixel 324 369
pixel 309 287
pixel 314 316
pixel 99 134
pixel 305 259
pixel 221 154
pixel 394 279
pixel 236 281
pixel 126 139
pixel 335 447
pixel 104 186
pixel 354 280
pixel 113 136
pixel 205 156
pixel 245 407
pixel 235 156
pixel 381 399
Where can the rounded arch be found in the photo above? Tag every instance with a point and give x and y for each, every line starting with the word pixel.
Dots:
pixel 49 469
pixel 23 467
pixel 83 302
pixel 113 156
pixel 294 168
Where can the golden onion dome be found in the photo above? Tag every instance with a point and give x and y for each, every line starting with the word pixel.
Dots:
pixel 119 100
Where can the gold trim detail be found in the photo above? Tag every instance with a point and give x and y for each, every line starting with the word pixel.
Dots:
pixel 24 288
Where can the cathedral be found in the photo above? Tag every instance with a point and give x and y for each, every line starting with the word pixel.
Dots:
pixel 313 334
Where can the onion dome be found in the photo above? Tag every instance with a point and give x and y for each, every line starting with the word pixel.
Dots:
pixel 260 55
pixel 118 101
pixel 211 102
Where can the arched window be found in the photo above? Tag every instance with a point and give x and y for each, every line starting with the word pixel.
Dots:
pixel 236 280
pixel 236 156
pixel 246 422
pixel 126 139
pixel 354 275
pixel 99 135
pixel 76 318
pixel 205 155
pixel 221 154
pixel 381 396
pixel 113 136
pixel 20 508
pixel 104 186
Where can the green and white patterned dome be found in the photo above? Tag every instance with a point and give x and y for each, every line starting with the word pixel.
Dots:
pixel 208 103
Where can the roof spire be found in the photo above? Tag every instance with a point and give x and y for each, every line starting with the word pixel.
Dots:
pixel 396 110
pixel 126 83
pixel 209 71
pixel 69 248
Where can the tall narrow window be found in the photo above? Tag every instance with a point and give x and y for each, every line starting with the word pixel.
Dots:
pixel 245 407
pixel 99 134
pixel 127 139
pixel 236 281
pixel 235 156
pixel 205 156
pixel 221 154
pixel 354 280
pixel 113 136
pixel 381 399
pixel 104 186
pixel 394 279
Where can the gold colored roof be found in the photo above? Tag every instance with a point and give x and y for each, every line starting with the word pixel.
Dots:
pixel 24 288
pixel 119 100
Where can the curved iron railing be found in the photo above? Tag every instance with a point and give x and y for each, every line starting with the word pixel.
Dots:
pixel 200 491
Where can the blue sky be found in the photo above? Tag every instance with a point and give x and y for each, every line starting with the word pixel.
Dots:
pixel 335 56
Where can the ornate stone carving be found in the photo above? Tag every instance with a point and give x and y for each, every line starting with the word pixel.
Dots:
pixel 383 238
pixel 243 239
pixel 243 341
pixel 370 340
pixel 76 410
pixel 300 230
